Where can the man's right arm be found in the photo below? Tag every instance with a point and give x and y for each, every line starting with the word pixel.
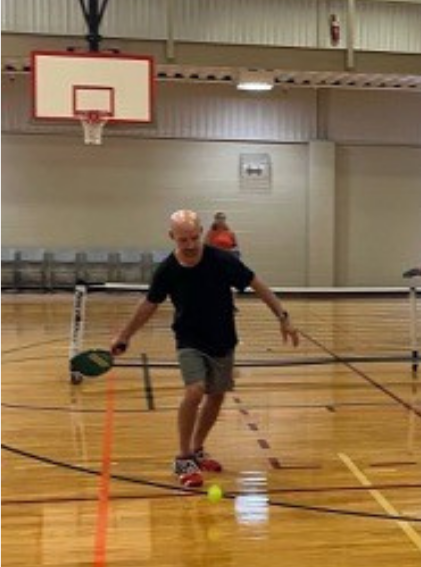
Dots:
pixel 142 314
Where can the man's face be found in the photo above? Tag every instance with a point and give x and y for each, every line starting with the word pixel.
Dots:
pixel 188 241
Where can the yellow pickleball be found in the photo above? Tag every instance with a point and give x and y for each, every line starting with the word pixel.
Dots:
pixel 215 493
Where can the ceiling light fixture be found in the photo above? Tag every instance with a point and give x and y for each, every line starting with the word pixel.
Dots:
pixel 251 80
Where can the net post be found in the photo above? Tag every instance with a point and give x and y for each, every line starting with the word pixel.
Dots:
pixel 413 323
pixel 77 327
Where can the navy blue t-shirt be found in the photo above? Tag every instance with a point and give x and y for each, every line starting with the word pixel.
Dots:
pixel 202 298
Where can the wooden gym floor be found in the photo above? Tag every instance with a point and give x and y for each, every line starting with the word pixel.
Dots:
pixel 322 461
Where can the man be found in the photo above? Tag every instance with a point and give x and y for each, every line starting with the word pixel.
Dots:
pixel 198 279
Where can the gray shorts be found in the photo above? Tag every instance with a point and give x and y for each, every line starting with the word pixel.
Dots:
pixel 215 373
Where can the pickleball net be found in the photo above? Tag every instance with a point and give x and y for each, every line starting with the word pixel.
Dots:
pixel 348 326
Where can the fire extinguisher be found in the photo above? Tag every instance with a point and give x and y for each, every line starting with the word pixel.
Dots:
pixel 335 30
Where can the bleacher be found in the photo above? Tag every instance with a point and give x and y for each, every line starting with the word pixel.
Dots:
pixel 46 270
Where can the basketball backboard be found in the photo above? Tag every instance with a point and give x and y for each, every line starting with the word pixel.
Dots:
pixel 69 86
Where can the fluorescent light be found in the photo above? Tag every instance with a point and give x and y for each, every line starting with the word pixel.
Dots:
pixel 255 80
pixel 254 86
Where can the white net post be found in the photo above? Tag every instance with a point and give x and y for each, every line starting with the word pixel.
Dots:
pixel 414 327
pixel 77 327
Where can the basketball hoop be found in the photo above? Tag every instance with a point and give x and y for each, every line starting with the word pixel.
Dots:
pixel 93 122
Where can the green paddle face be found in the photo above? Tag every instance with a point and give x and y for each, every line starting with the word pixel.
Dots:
pixel 92 362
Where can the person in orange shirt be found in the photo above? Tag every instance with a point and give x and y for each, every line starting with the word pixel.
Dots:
pixel 221 236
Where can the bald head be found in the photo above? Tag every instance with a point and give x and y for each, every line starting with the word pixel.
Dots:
pixel 184 219
pixel 186 231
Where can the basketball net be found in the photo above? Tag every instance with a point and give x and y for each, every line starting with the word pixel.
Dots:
pixel 93 122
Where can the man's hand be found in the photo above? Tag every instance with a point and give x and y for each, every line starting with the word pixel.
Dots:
pixel 289 331
pixel 118 346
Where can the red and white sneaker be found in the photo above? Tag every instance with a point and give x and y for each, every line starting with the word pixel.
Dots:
pixel 188 472
pixel 205 462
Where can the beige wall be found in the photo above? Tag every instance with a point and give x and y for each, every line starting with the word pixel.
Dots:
pixel 56 192
pixel 321 214
pixel 190 155
pixel 59 193
pixel 378 214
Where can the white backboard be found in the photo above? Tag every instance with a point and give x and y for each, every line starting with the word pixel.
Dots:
pixel 67 84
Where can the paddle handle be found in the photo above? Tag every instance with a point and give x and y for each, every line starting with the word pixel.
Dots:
pixel 119 348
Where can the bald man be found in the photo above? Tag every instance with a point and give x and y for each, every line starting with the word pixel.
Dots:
pixel 199 280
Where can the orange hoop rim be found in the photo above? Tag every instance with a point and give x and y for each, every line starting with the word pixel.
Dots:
pixel 93 116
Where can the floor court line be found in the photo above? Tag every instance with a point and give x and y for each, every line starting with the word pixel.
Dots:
pixel 413 535
pixel 104 482
pixel 362 374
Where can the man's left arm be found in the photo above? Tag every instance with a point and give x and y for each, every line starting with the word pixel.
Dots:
pixel 268 297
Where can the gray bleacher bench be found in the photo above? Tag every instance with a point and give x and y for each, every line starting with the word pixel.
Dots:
pixel 130 268
pixel 98 265
pixel 137 266
pixel 61 268
pixel 8 268
pixel 33 269
pixel 151 262
pixel 66 268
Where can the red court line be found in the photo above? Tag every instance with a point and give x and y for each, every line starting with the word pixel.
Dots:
pixel 104 481
pixel 274 463
pixel 263 443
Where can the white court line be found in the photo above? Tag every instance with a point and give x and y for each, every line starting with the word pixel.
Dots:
pixel 413 535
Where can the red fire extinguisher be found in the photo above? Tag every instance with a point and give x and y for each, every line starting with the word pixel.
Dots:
pixel 335 30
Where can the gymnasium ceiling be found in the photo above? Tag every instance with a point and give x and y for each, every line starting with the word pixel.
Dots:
pixel 216 63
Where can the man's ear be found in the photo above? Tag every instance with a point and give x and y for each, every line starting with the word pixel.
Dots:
pixel 171 234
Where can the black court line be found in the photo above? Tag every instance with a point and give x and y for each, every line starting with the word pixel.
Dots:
pixel 72 499
pixel 345 488
pixel 363 375
pixel 202 492
pixel 272 491
pixel 70 409
pixel 34 345
pixel 246 412
pixel 36 359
